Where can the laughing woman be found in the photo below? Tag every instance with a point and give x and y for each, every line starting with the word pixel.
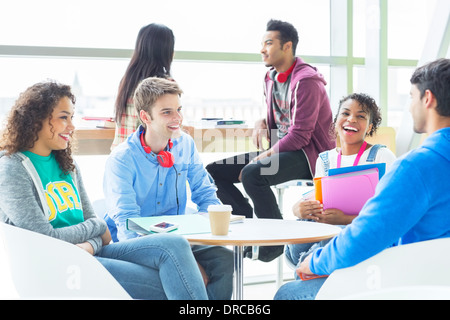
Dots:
pixel 42 191
pixel 358 116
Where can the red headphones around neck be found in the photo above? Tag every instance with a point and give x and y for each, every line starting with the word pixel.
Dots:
pixel 283 76
pixel 165 158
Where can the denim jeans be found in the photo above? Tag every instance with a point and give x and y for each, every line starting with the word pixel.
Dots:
pixel 300 290
pixel 296 253
pixel 160 266
pixel 218 264
pixel 257 177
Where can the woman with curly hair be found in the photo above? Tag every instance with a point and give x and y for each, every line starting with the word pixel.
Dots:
pixel 42 191
pixel 357 117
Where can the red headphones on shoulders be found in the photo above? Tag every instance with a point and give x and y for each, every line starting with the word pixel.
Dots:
pixel 165 158
pixel 281 77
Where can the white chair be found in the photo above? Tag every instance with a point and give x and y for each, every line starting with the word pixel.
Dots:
pixel 7 288
pixel 405 293
pixel 42 267
pixel 389 274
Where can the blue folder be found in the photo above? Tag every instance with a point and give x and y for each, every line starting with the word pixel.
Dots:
pixel 380 166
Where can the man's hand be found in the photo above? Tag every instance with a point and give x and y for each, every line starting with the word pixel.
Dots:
pixel 261 156
pixel 304 267
pixel 259 132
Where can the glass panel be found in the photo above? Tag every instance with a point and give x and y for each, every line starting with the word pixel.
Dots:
pixel 359 28
pixel 398 97
pixel 359 79
pixel 408 27
pixel 409 23
pixel 94 82
pixel 228 90
pixel 398 91
pixel 237 93
pixel 198 25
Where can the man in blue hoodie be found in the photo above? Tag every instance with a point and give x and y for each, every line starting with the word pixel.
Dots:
pixel 411 202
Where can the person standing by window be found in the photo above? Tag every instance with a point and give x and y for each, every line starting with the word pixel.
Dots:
pixel 152 57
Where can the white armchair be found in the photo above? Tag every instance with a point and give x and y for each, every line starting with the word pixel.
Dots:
pixel 413 271
pixel 42 267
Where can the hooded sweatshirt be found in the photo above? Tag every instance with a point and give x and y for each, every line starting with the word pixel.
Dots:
pixel 411 204
pixel 310 114
pixel 23 203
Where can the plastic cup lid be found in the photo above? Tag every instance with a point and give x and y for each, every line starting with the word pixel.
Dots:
pixel 220 207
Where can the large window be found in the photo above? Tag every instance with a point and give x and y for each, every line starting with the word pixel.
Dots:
pixel 88 44
pixel 198 25
pixel 229 88
pixel 409 25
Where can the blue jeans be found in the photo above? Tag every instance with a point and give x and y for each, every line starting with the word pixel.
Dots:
pixel 163 266
pixel 300 290
pixel 218 264
pixel 296 253
pixel 159 266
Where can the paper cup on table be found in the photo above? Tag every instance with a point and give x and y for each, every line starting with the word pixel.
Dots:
pixel 219 219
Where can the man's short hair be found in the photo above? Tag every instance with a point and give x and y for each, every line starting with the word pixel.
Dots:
pixel 151 89
pixel 287 32
pixel 435 76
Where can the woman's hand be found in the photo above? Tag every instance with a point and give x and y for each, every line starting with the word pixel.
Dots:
pixel 86 246
pixel 106 237
pixel 307 209
pixel 313 209
pixel 334 216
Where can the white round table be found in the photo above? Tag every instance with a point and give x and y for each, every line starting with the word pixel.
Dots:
pixel 263 232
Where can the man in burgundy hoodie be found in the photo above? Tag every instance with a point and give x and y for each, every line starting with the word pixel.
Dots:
pixel 297 125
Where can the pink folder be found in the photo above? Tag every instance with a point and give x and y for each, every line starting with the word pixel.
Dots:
pixel 349 192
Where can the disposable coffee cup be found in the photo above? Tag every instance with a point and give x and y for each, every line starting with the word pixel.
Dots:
pixel 219 219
